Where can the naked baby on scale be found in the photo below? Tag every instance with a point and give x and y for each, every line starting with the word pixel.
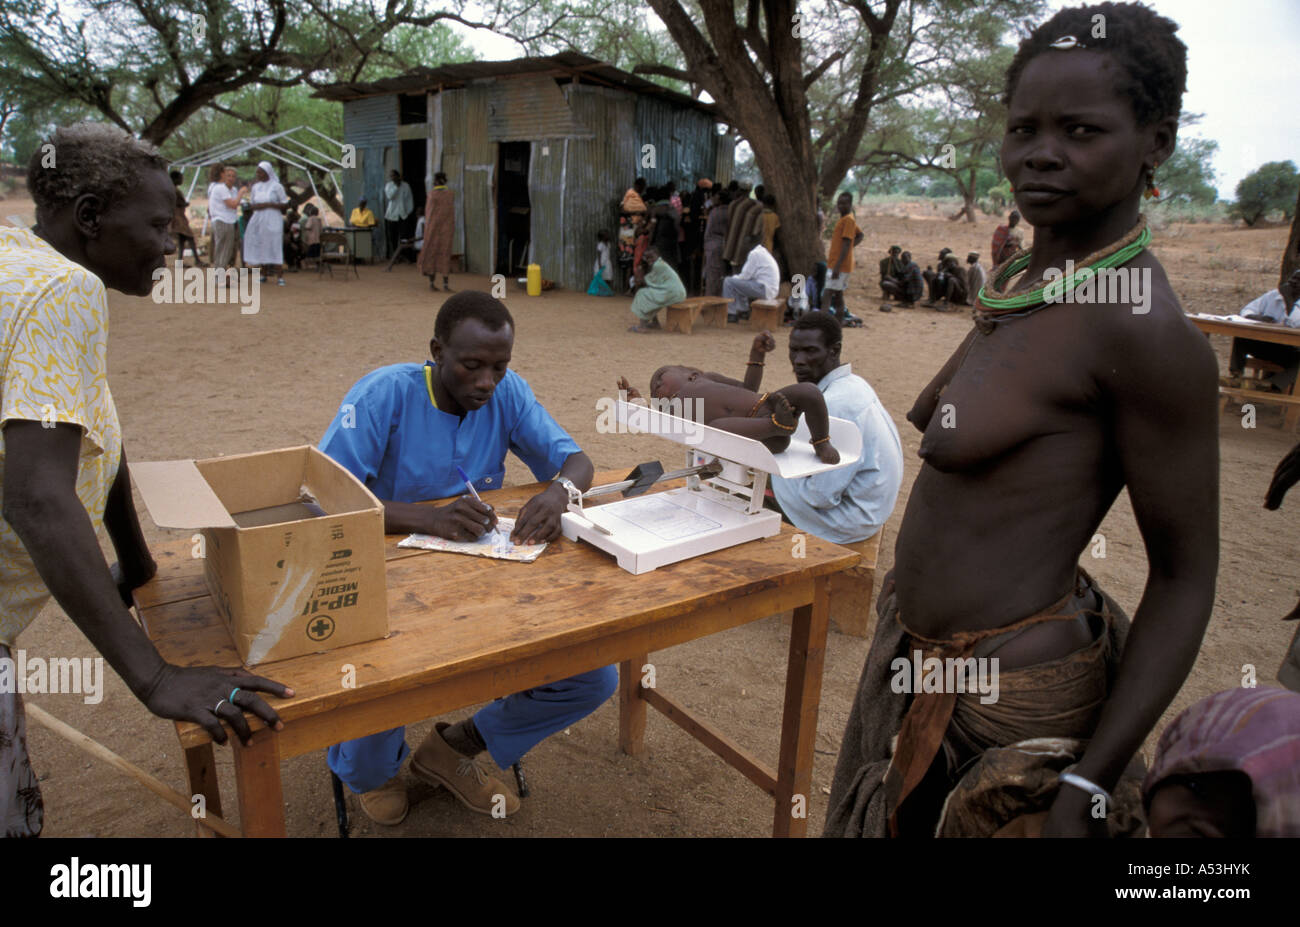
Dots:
pixel 722 503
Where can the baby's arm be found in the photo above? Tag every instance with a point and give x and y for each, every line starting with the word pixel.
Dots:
pixel 763 343
pixel 629 390
pixel 807 400
pixel 720 378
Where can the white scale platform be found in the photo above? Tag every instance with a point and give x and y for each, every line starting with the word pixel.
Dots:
pixel 656 529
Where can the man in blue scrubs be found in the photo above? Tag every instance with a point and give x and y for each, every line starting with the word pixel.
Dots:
pixel 403 430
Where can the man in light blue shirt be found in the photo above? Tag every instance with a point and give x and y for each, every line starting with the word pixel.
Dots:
pixel 852 503
pixel 403 430
pixel 1280 307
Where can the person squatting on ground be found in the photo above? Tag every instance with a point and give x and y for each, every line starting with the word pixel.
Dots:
pixel 891 273
pixel 948 283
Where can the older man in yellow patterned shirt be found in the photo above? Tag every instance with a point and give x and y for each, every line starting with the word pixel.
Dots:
pixel 103 207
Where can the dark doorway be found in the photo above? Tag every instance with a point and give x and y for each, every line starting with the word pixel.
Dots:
pixel 513 207
pixel 414 159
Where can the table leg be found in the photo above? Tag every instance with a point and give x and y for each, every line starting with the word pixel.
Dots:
pixel 201 772
pixel 803 686
pixel 631 706
pixel 1292 416
pixel 257 776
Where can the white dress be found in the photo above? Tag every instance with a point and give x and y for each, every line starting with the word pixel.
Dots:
pixel 264 233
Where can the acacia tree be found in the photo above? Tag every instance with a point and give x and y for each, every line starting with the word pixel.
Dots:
pixel 1266 189
pixel 150 65
pixel 1291 256
pixel 958 138
pixel 272 109
pixel 798 82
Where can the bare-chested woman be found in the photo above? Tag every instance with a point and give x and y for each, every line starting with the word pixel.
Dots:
pixel 1046 411
pixel 737 407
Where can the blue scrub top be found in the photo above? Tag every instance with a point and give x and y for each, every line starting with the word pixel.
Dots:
pixel 389 435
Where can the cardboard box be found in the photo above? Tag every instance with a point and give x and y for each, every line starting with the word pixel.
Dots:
pixel 294 546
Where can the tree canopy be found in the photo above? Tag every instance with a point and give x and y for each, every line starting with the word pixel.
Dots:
pixel 1269 188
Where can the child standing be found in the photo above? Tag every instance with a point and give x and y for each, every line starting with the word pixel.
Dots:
pixel 604 264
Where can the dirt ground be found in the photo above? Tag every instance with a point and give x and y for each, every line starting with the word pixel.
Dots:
pixel 199 381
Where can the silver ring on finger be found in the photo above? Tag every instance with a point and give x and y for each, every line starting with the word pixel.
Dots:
pixel 219 704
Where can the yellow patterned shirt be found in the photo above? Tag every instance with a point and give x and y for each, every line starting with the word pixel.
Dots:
pixel 53 368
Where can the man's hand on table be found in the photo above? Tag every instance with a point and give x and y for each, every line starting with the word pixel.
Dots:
pixel 465 519
pixel 539 519
pixel 192 694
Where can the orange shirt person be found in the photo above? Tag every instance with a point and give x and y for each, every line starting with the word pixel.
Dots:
pixel 843 238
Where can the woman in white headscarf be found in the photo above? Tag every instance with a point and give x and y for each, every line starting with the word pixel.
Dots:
pixel 264 235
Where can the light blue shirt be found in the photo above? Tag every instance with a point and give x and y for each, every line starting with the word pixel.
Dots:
pixel 852 503
pixel 1273 307
pixel 388 434
pixel 401 201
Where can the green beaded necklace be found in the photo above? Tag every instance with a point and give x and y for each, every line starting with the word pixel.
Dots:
pixel 1140 237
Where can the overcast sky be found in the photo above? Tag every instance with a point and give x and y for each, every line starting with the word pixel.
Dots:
pixel 1243 73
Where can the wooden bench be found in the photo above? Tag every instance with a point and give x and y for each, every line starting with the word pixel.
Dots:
pixel 710 310
pixel 851 591
pixel 1256 396
pixel 764 314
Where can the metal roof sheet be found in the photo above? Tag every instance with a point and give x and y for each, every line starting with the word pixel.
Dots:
pixel 571 64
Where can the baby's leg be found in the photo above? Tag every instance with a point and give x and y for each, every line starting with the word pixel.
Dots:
pixel 807 400
pixel 758 428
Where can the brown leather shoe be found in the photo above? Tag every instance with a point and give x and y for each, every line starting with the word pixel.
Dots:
pixel 436 762
pixel 388 804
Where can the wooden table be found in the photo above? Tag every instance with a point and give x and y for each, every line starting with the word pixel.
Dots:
pixel 1259 331
pixel 466 630
pixel 361 241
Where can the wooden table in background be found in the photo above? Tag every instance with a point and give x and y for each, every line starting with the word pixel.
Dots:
pixel 1258 331
pixel 465 630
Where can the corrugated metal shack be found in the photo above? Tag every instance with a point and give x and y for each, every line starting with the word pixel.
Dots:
pixel 538 152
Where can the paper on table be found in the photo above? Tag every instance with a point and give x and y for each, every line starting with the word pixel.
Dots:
pixel 662 518
pixel 495 544
pixel 1228 318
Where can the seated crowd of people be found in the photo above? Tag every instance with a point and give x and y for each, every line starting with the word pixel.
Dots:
pixel 726 242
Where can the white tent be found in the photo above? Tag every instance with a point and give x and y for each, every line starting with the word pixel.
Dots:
pixel 292 146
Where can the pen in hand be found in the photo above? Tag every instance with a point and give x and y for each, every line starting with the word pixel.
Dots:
pixel 474 492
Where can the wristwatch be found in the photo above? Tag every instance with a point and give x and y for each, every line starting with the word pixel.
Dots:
pixel 575 494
